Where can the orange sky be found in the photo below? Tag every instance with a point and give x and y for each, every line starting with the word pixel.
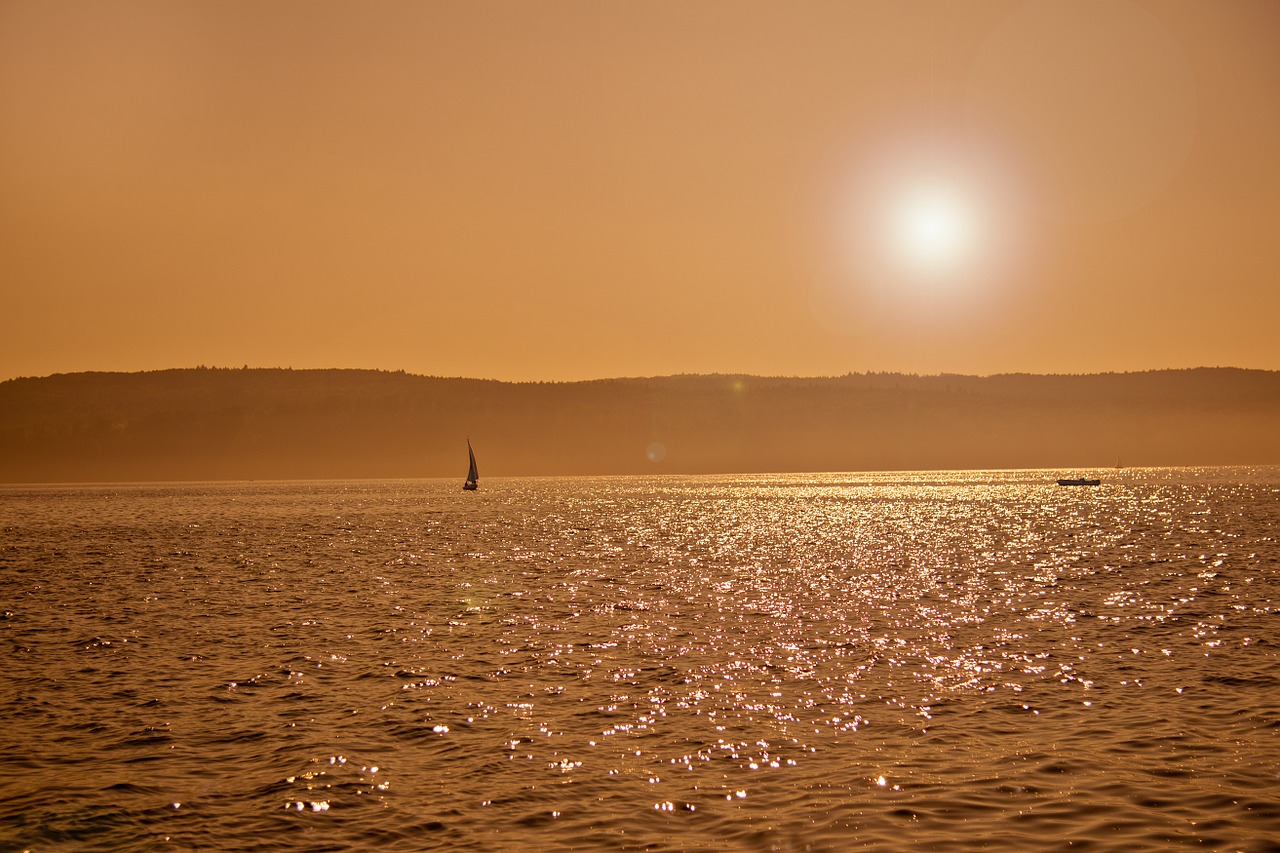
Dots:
pixel 568 190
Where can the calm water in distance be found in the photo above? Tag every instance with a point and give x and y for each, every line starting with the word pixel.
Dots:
pixel 975 660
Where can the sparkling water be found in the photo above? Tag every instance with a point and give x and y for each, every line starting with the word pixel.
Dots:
pixel 798 662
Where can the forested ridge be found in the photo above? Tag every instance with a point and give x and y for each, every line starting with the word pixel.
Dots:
pixel 211 423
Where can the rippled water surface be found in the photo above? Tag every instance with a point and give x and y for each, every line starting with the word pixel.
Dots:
pixel 805 662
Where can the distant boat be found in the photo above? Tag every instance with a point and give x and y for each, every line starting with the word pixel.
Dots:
pixel 1080 481
pixel 473 476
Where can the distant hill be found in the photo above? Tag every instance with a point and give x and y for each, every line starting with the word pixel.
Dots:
pixel 206 423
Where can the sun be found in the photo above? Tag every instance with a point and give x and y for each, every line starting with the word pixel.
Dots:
pixel 932 229
pixel 931 233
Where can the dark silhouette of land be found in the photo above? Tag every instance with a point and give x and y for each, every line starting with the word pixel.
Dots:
pixel 203 423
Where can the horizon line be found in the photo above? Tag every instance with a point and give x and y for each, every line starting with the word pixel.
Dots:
pixel 638 377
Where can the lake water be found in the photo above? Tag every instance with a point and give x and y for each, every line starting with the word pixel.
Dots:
pixel 976 660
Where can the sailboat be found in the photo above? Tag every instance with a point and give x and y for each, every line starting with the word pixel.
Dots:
pixel 473 476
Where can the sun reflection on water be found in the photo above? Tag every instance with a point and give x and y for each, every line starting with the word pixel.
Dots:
pixel 710 649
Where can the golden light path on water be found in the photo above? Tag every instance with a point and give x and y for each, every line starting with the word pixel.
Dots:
pixel 714 663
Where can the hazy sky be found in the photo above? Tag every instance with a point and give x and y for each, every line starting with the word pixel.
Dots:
pixel 565 190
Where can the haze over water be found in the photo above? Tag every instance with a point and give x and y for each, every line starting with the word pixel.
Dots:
pixel 820 662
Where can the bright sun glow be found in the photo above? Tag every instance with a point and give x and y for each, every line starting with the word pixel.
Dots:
pixel 933 230
pixel 930 232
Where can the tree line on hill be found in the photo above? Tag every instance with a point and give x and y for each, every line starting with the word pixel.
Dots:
pixel 209 423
